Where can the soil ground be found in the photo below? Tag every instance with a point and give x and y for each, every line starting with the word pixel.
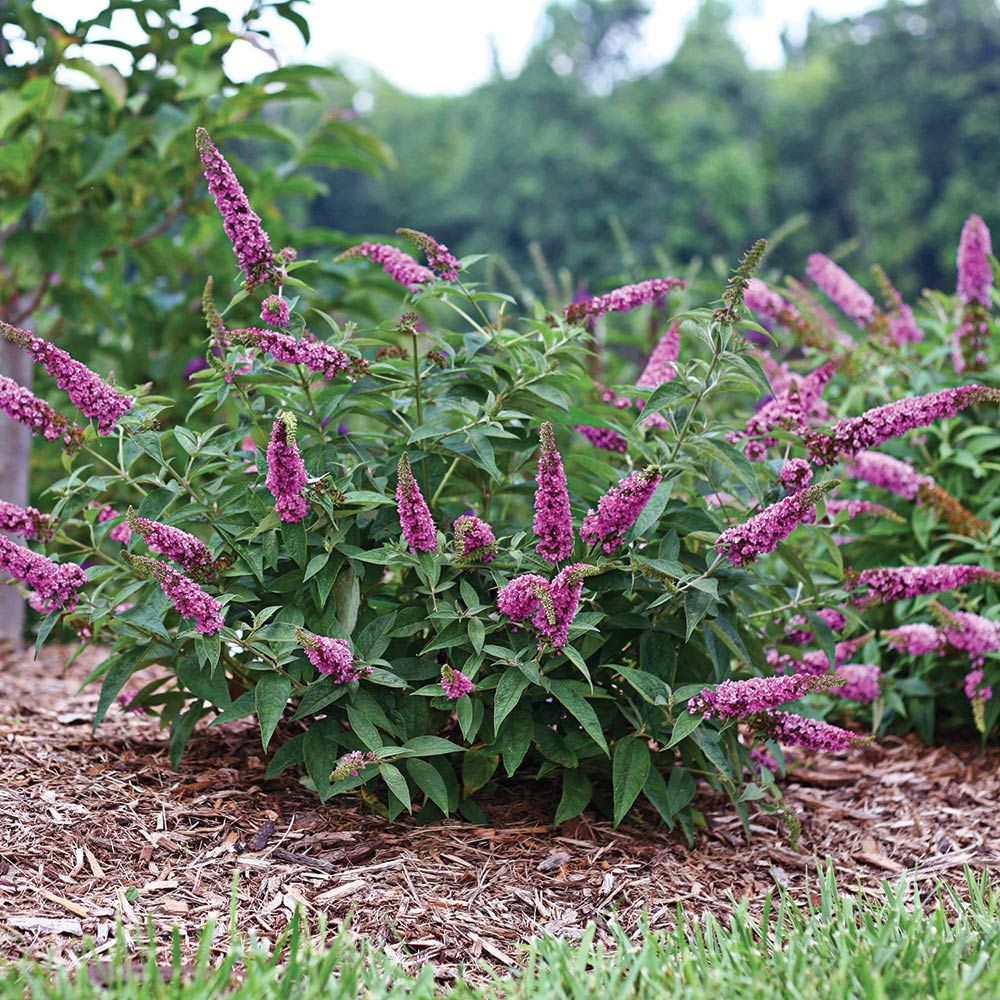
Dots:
pixel 99 829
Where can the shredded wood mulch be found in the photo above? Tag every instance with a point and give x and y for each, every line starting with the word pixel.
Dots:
pixel 97 830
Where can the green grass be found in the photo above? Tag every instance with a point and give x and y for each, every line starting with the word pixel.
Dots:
pixel 837 948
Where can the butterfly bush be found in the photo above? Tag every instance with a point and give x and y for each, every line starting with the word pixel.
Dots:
pixel 280 559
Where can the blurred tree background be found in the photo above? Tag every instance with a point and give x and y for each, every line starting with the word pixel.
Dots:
pixel 878 137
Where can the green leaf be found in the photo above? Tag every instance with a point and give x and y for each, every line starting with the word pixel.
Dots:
pixel 651 688
pixel 120 670
pixel 180 732
pixel 477 769
pixel 364 728
pixel 629 769
pixel 430 746
pixel 347 598
pixel 396 783
pixel 430 782
pixel 477 634
pixel 289 754
pixel 507 695
pixel 319 754
pixel 270 698
pixel 294 537
pixel 653 510
pixel 696 605
pixel 243 706
pixel 680 790
pixel 578 706
pixel 576 794
pixel 661 398
pixel 685 725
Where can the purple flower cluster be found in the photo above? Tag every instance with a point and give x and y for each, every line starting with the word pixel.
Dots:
pixel 241 223
pixel 769 306
pixel 744 543
pixel 660 367
pixel 190 553
pixel 274 310
pixel 623 299
pixel 400 266
pixel 815 662
pixel 185 595
pixel 28 522
pixel 619 509
pixel 55 585
pixel 474 540
pixel 315 354
pixel 551 607
pixel 352 764
pixel 792 408
pixel 848 437
pixel 842 289
pixel 810 734
pixel 799 635
pixel 414 514
pixel 455 684
pixel 855 508
pixel 605 438
pixel 553 524
pixel 23 406
pixel 120 533
pixel 914 640
pixel 863 682
pixel 974 687
pixel 439 257
pixel 796 474
pixel 87 391
pixel 741 699
pixel 331 657
pixel 886 585
pixel 286 472
pixel 975 275
pixel 887 473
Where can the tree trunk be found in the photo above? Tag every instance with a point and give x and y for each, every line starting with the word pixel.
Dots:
pixel 15 451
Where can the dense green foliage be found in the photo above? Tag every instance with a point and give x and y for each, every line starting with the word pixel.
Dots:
pixel 879 131
pixel 835 947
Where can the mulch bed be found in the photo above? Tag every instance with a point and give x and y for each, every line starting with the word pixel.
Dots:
pixel 97 829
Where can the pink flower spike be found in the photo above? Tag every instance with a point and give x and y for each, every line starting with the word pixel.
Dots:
pixel 842 289
pixel 975 275
pixel 553 523
pixel 660 367
pixel 795 474
pixel 331 657
pixel 21 405
pixel 28 522
pixel 474 540
pixel 400 266
pixel 745 543
pixel 120 533
pixel 619 509
pixel 887 473
pixel 185 595
pixel 741 699
pixel 315 354
pixel 522 598
pixel 439 257
pixel 848 437
pixel 887 585
pixel 414 514
pixel 810 734
pixel 553 620
pixel 274 310
pixel 605 438
pixel 90 394
pixel 241 223
pixel 455 684
pixel 623 299
pixel 975 688
pixel 914 640
pixel 863 682
pixel 190 553
pixel 286 472
pixel 56 586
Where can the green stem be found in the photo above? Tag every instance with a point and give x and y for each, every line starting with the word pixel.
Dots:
pixel 447 476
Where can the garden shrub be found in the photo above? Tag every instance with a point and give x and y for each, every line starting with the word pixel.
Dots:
pixel 436 550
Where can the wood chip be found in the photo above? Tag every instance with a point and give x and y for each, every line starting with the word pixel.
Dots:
pixel 47 925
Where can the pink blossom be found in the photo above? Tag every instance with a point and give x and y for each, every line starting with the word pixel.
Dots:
pixel 815 662
pixel 455 684
pixel 28 522
pixel 286 472
pixel 315 354
pixel 352 764
pixel 974 686
pixel 241 223
pixel 863 682
pixel 605 438
pixel 553 524
pixel 740 699
pixel 185 595
pixel 120 533
pixel 769 306
pixel 887 472
pixel 914 640
pixel 855 508
pixel 564 591
pixel 414 514
pixel 127 702
pixel 190 553
pixel 474 540
pixel 619 509
pixel 795 474
pixel 21 405
pixel 970 633
pixel 439 257
pixel 761 759
pixel 55 585
pixel 799 635
pixel 331 657
pixel 520 599
pixel 661 367
pixel 975 275
pixel 886 585
pixel 848 437
pixel 762 533
pixel 841 288
pixel 811 734
pixel 623 299
pixel 400 266
pixel 92 396
pixel 274 310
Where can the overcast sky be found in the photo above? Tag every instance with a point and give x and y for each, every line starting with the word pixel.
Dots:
pixel 443 46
